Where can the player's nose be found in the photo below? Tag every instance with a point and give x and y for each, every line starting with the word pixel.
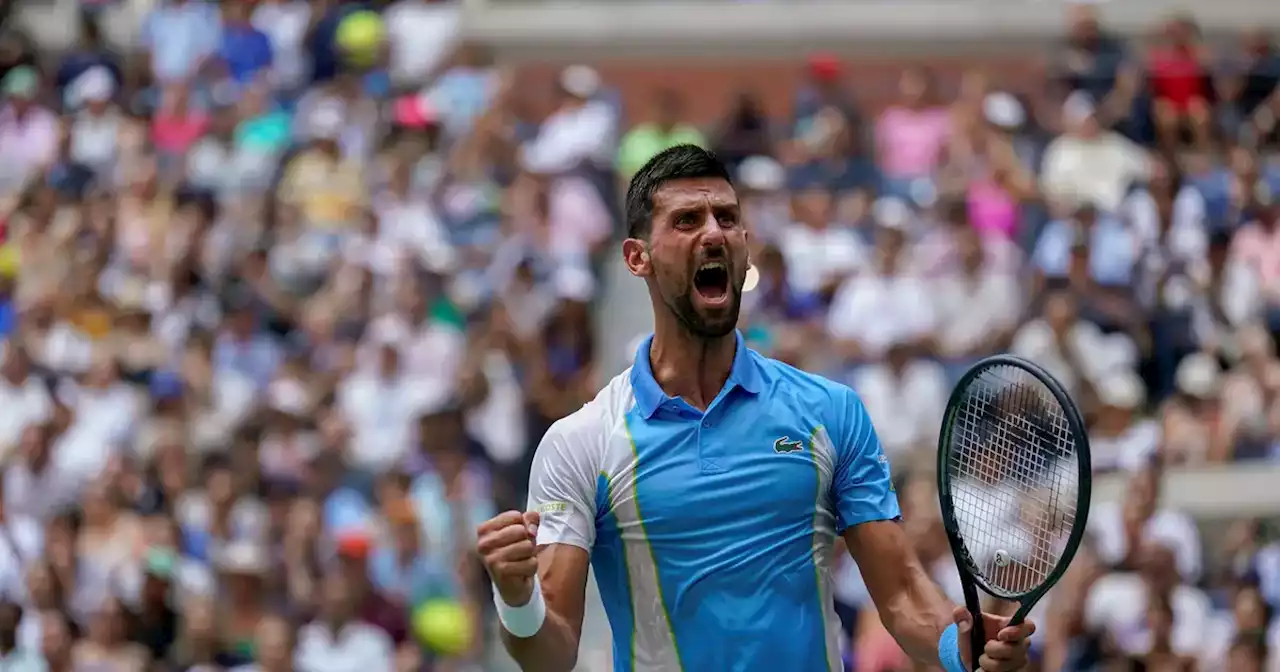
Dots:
pixel 712 235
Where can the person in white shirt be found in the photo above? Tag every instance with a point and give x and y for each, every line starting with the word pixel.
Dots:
pixel 1120 529
pixel 337 641
pixel 23 396
pixel 977 304
pixel 1058 341
pixel 882 305
pixel 1120 438
pixel 1118 605
pixel 381 406
pixel 95 130
pixel 819 253
pixel 581 131
pixel 1089 164
pixel 285 22
pixel 905 396
pixel 422 35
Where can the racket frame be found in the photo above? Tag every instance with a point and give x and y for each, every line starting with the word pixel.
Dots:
pixel 970 576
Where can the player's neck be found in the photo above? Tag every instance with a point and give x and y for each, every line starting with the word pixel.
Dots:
pixel 689 366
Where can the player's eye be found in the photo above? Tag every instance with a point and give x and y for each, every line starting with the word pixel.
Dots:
pixel 687 220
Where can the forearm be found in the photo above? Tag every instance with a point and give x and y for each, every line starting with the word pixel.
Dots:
pixel 553 649
pixel 917 614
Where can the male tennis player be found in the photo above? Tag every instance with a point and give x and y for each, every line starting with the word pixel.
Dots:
pixel 706 485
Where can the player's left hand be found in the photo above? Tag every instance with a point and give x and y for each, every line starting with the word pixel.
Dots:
pixel 1007 646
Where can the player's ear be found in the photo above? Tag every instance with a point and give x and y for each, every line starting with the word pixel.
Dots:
pixel 635 253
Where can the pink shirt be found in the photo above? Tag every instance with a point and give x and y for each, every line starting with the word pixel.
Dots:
pixel 31 142
pixel 175 135
pixel 992 210
pixel 1260 249
pixel 911 141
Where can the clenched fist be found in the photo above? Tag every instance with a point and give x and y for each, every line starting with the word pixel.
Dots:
pixel 508 546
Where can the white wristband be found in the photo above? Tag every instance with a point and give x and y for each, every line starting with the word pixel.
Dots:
pixel 526 620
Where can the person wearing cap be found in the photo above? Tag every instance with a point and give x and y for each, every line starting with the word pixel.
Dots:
pixel 1119 437
pixel 94 133
pixel 157 619
pixel 28 131
pixel 243 566
pixel 824 88
pixel 1195 432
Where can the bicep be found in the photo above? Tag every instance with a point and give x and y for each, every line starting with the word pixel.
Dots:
pixel 562 573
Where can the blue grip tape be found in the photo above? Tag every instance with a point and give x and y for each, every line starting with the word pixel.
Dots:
pixel 949 650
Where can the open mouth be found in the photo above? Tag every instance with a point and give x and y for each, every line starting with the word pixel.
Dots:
pixel 711 281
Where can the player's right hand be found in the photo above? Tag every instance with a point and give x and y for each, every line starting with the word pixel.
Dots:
pixel 508 546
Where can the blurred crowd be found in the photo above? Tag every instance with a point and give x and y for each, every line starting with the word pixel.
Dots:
pixel 290 289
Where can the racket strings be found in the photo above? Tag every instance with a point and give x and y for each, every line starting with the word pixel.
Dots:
pixel 1014 472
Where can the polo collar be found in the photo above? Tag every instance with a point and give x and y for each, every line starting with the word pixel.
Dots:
pixel 745 374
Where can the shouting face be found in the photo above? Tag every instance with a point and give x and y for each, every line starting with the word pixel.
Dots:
pixel 695 257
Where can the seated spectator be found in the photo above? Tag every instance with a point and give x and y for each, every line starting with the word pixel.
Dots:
pixel 1121 529
pixel 244 50
pixel 1178 71
pixel 1092 59
pixel 1089 164
pixel 180 37
pixel 28 131
pixel 645 141
pixel 88 53
pixel 106 643
pixel 906 396
pixel 977 306
pixel 1257 247
pixel 1058 340
pixel 819 253
pixel 285 23
pixel 1196 428
pixel 338 641
pixel 743 133
pixel 912 135
pixel 1250 93
pixel 581 132
pixel 1121 438
pixel 1119 604
pixel 886 289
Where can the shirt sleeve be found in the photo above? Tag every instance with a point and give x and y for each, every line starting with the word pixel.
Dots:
pixel 562 483
pixel 861 486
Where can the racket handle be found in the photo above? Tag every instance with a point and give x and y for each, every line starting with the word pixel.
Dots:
pixel 977 638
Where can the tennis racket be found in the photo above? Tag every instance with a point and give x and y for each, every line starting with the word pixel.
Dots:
pixel 1014 483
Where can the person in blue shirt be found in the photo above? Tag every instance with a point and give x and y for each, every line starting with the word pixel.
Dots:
pixel 244 50
pixel 707 485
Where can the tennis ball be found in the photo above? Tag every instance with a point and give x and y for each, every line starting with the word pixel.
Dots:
pixel 443 626
pixel 360 36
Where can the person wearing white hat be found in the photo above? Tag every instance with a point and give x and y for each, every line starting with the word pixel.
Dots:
pixel 1120 438
pixel 581 131
pixel 96 128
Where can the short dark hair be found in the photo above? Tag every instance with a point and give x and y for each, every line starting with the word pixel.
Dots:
pixel 682 162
